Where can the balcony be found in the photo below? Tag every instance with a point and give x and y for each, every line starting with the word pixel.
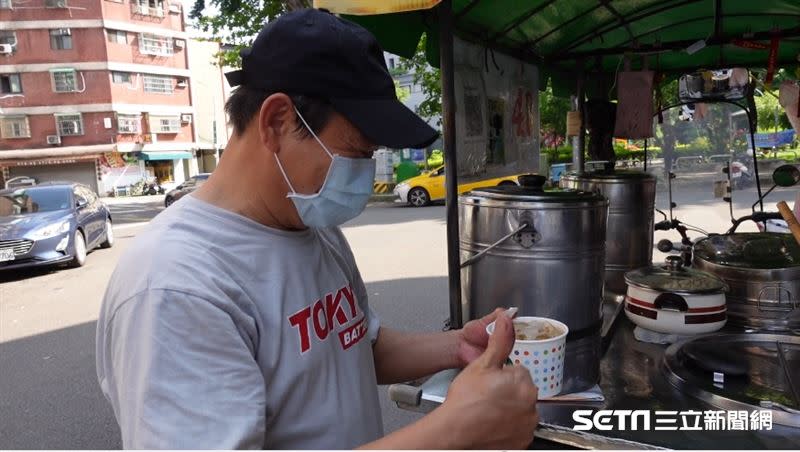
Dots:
pixel 148 11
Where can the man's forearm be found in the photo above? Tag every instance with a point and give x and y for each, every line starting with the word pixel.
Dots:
pixel 403 356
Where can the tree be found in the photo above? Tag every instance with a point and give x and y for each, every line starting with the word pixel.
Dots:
pixel 429 79
pixel 553 116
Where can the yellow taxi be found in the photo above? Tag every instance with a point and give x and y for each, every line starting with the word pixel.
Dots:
pixel 421 190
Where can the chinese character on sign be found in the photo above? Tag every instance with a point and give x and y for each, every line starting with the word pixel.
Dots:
pixel 690 420
pixel 761 420
pixel 666 420
pixel 737 420
pixel 714 420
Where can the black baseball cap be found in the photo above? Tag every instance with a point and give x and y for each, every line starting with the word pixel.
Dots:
pixel 314 53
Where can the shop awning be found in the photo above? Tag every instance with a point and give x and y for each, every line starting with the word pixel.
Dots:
pixel 562 36
pixel 174 155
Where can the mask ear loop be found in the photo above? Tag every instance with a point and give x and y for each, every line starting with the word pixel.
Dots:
pixel 285 177
pixel 330 154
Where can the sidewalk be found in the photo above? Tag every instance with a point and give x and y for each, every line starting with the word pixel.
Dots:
pixel 147 199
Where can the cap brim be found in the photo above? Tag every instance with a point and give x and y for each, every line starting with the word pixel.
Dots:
pixel 387 122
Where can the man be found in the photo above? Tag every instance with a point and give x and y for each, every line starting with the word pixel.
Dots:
pixel 240 320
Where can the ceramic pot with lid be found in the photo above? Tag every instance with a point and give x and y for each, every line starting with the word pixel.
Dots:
pixel 675 300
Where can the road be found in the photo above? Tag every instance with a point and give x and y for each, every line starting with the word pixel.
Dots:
pixel 49 397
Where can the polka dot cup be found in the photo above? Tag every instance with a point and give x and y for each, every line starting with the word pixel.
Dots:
pixel 544 359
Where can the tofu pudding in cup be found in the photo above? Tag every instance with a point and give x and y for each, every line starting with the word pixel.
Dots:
pixel 540 347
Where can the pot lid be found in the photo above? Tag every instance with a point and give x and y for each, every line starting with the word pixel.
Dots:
pixel 673 277
pixel 740 372
pixel 764 250
pixel 531 188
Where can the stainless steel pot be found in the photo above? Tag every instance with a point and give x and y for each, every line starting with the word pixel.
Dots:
pixel 629 236
pixel 762 271
pixel 542 251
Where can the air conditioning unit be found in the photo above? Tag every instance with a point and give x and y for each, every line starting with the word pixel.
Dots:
pixel 181 83
pixel 186 118
pixel 55 3
pixel 53 139
pixel 156 11
pixel 175 8
pixel 179 43
pixel 131 128
pixel 6 49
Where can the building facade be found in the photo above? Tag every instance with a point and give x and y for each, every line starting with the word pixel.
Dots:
pixel 95 91
pixel 208 98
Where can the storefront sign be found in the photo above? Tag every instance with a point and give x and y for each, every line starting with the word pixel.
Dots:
pixel 50 161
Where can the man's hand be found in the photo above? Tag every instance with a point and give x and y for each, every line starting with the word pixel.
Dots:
pixel 473 338
pixel 491 406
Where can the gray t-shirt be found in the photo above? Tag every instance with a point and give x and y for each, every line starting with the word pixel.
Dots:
pixel 217 332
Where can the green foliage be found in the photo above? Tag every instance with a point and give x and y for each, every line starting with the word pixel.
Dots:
pixel 553 112
pixel 429 79
pixel 771 115
pixel 403 93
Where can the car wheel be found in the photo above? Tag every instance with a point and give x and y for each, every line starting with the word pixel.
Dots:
pixel 168 201
pixel 109 241
pixel 419 197
pixel 79 246
pixel 505 183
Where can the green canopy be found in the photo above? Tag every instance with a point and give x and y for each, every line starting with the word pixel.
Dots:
pixel 561 36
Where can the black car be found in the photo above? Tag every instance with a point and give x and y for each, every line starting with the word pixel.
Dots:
pixel 52 223
pixel 189 185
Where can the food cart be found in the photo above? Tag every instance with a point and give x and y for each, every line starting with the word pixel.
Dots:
pixel 494 56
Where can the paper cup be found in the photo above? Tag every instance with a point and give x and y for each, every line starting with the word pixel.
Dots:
pixel 544 359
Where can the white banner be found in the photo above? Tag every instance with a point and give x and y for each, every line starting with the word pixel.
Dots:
pixel 497 112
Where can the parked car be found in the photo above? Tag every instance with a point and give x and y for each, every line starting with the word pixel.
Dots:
pixel 189 185
pixel 421 190
pixel 51 223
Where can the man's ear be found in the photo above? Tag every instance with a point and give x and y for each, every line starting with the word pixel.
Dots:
pixel 276 120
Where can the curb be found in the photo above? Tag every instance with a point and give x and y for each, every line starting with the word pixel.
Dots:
pixel 382 198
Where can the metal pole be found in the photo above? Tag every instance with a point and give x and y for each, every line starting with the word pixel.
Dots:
pixel 579 145
pixel 445 10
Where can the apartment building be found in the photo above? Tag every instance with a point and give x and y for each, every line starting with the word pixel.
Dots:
pixel 208 98
pixel 95 91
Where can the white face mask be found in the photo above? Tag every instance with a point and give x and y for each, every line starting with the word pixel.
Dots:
pixel 344 193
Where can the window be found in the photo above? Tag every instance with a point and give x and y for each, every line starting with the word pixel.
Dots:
pixel 71 124
pixel 121 77
pixel 10 84
pixel 391 63
pixel 117 36
pixel 158 84
pixel 64 80
pixel 85 193
pixel 8 37
pixel 149 7
pixel 5 4
pixel 61 39
pixel 55 3
pixel 150 44
pixel 128 123
pixel 165 124
pixel 15 127
pixel 416 88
